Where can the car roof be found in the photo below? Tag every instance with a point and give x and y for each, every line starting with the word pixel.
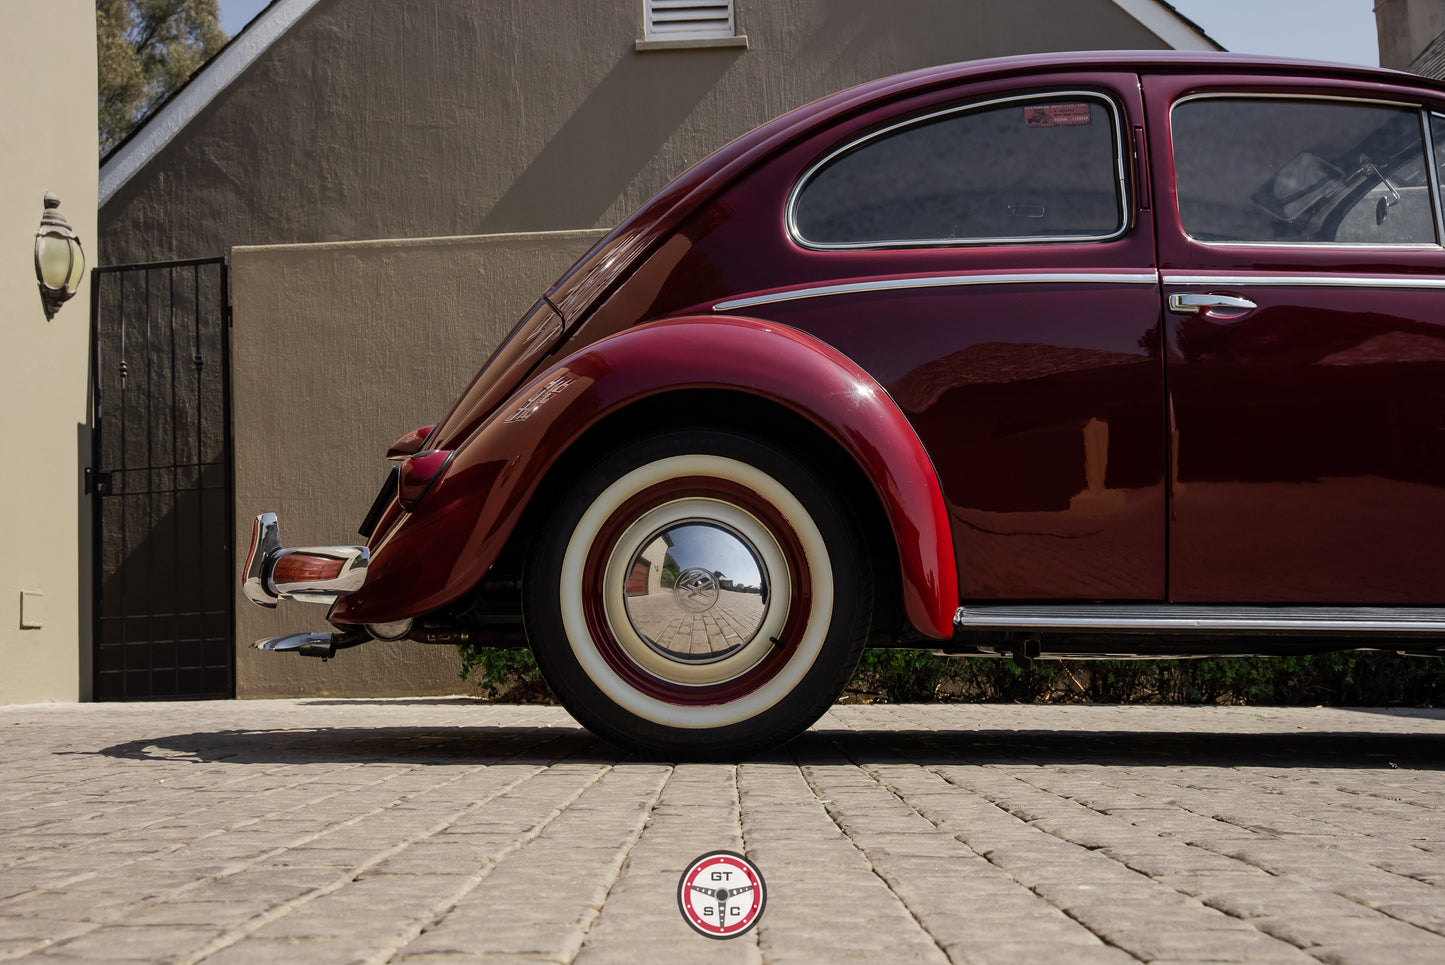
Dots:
pixel 658 217
pixel 1202 61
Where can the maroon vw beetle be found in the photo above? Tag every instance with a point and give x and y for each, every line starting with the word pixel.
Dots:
pixel 1072 355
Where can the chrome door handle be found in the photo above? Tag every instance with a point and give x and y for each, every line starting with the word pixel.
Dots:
pixel 1191 304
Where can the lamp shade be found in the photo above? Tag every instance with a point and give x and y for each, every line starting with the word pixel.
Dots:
pixel 60 262
pixel 59 259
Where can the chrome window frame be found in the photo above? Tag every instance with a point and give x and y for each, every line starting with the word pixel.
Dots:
pixel 1419 109
pixel 1121 181
pixel 1433 170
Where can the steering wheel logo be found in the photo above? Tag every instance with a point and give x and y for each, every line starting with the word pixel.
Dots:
pixel 721 894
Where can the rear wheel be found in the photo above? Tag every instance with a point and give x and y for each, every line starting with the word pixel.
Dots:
pixel 698 594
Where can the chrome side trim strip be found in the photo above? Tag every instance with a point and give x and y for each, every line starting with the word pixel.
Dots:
pixel 941 281
pixel 1293 246
pixel 1305 281
pixel 1186 616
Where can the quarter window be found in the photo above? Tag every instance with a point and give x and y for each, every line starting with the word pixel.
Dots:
pixel 1437 142
pixel 1025 169
pixel 1259 170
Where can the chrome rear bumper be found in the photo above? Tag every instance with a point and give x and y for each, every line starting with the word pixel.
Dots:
pixel 311 574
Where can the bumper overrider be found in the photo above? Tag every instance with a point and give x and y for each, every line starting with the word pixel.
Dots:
pixel 310 574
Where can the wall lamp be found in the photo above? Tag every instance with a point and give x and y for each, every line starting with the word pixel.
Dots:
pixel 59 260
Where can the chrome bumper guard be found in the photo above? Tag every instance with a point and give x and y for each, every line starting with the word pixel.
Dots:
pixel 311 574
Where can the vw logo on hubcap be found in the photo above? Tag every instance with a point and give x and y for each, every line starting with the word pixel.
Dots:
pixel 696 590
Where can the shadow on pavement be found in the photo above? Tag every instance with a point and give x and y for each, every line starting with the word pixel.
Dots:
pixel 394 701
pixel 1305 749
pixel 547 745
pixel 375 745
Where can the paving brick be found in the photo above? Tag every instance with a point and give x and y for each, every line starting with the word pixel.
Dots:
pixel 146 943
pixel 1154 942
pixel 1306 930
pixel 446 831
pixel 1035 950
pixel 252 951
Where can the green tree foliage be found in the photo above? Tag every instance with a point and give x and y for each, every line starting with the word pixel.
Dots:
pixel 145 50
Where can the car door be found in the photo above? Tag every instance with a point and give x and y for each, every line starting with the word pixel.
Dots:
pixel 1304 295
pixel 989 258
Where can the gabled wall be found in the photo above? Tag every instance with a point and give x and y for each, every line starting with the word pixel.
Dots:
pixel 431 118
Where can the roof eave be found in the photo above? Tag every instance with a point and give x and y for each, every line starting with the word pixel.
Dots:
pixel 158 128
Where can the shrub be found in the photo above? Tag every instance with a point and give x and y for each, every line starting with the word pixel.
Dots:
pixel 1346 678
pixel 505 675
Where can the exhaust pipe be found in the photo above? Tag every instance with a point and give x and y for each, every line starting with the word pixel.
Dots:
pixel 321 645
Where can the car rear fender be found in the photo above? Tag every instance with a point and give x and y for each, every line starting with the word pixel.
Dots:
pixel 444 547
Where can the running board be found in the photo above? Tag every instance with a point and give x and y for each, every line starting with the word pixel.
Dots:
pixel 1087 618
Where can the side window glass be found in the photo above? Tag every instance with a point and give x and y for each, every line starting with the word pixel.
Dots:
pixel 1437 140
pixel 1025 169
pixel 1258 170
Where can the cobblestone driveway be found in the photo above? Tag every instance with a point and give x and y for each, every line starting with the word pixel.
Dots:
pixel 443 830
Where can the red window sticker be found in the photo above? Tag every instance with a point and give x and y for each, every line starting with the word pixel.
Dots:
pixel 1057 115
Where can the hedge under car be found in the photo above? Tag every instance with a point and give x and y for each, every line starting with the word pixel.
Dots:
pixel 1078 355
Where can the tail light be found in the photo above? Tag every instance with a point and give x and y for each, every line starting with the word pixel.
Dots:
pixel 417 474
pixel 305 568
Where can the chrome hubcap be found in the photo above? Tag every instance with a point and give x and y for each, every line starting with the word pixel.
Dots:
pixel 697 591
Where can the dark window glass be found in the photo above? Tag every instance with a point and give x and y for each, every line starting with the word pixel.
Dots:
pixel 1301 172
pixel 1437 138
pixel 1027 169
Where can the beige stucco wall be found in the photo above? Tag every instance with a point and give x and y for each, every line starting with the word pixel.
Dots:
pixel 433 118
pixel 337 350
pixel 47 144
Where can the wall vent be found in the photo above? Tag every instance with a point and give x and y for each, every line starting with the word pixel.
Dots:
pixel 689 19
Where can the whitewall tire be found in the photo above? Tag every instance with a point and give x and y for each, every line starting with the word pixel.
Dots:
pixel 698 594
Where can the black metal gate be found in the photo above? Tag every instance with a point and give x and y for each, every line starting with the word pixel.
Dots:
pixel 161 480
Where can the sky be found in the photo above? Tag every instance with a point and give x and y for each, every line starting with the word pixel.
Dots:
pixel 235 14
pixel 1339 30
